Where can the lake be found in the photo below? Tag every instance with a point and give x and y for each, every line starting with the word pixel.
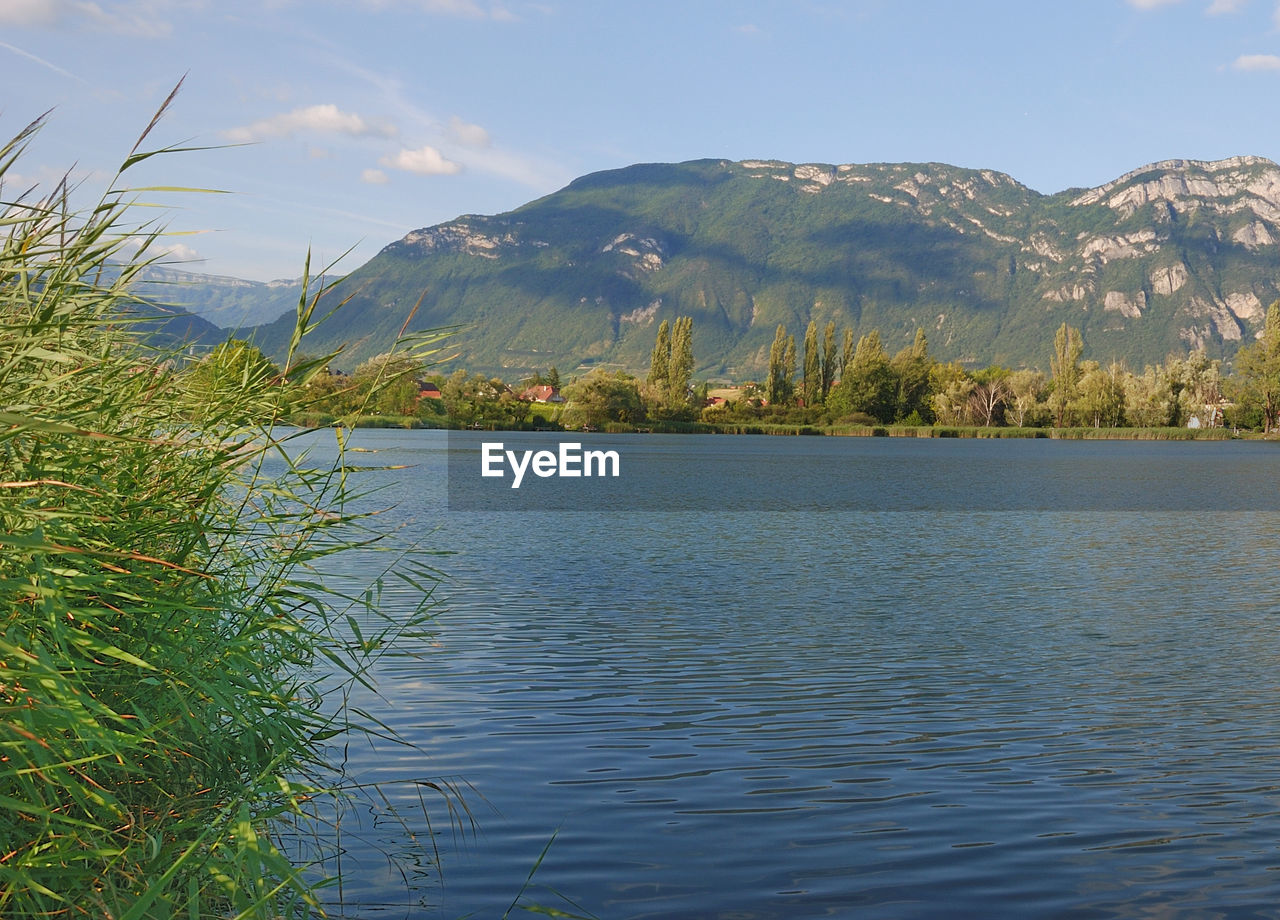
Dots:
pixel 981 706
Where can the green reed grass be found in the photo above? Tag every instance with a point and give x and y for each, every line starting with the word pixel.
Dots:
pixel 169 652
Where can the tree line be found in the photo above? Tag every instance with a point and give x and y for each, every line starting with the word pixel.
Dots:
pixel 836 378
pixel 860 382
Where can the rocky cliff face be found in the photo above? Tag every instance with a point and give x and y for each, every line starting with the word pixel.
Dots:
pixel 1175 255
pixel 1209 231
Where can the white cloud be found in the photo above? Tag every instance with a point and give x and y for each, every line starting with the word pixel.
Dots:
pixel 1257 62
pixel 1221 7
pixel 468 9
pixel 467 134
pixel 30 12
pixel 314 119
pixel 177 252
pixel 540 176
pixel 460 9
pixel 1151 4
pixel 425 161
pixel 374 177
pixel 165 253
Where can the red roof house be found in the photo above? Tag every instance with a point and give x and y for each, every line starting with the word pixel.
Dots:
pixel 542 394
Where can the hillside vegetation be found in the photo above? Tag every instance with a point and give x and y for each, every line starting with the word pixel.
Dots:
pixel 1173 257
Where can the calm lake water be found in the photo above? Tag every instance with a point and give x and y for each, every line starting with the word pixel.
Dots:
pixel 756 714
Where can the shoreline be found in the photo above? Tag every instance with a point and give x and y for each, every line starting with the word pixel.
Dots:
pixel 839 431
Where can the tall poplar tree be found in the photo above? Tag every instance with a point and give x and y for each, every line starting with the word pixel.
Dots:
pixel 772 383
pixel 811 386
pixel 660 362
pixel 789 369
pixel 680 364
pixel 913 367
pixel 782 368
pixel 1065 366
pixel 828 357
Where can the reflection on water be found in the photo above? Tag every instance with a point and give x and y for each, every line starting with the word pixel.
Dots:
pixel 753 715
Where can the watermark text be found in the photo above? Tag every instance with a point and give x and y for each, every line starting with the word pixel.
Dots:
pixel 570 461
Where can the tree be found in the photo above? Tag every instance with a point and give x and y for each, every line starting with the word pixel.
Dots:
pixel 1100 395
pixel 667 388
pixel 828 358
pixel 480 400
pixel 387 384
pixel 846 352
pixel 660 362
pixel 1258 370
pixel 779 388
pixel 951 388
pixel 231 367
pixel 868 384
pixel 811 382
pixel 680 366
pixel 990 396
pixel 1202 387
pixel 789 367
pixel 1026 405
pixel 602 397
pixel 1065 365
pixel 912 367
pixel 1150 400
pixel 325 391
pixel 233 363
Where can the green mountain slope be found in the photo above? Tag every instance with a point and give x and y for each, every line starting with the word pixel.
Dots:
pixel 1174 255
pixel 230 303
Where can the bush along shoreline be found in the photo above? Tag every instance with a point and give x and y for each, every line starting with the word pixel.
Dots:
pixel 846 391
pixel 170 655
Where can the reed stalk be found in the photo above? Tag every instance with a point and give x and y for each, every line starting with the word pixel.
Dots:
pixel 169 646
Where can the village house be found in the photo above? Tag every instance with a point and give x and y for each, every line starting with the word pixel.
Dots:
pixel 542 393
pixel 428 390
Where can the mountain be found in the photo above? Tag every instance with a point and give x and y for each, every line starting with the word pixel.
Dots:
pixel 167 328
pixel 229 303
pixel 1177 254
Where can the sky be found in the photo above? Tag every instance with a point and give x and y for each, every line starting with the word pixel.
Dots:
pixel 338 126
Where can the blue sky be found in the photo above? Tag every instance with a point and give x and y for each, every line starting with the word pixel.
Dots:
pixel 359 120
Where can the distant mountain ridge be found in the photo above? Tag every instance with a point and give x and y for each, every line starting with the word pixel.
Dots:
pixel 1173 255
pixel 226 302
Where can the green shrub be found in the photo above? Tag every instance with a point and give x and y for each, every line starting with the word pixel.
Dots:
pixel 165 642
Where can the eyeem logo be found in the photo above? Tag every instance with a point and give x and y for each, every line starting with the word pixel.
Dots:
pixel 569 462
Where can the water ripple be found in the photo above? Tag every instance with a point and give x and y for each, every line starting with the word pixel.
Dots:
pixel 857 714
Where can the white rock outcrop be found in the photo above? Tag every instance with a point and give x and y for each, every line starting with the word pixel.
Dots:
pixel 1126 306
pixel 647 252
pixel 1167 280
pixel 459 237
pixel 1188 184
pixel 819 175
pixel 1129 246
pixel 642 316
pixel 1254 235
pixel 1245 306
pixel 1220 318
pixel 1069 292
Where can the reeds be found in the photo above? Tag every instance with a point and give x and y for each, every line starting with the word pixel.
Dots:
pixel 166 643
